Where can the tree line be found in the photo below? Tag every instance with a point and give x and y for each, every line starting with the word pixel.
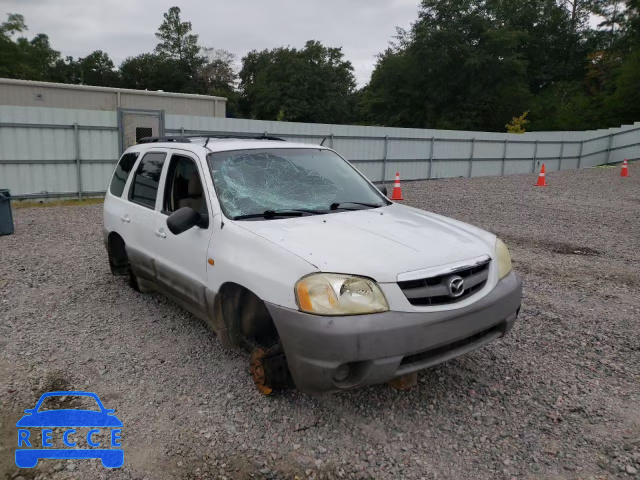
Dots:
pixel 490 65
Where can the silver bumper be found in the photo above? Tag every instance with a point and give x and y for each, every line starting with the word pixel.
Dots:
pixel 328 353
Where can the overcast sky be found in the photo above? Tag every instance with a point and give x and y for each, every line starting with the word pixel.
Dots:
pixel 124 28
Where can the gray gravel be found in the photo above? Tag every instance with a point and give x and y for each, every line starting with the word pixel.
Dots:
pixel 558 398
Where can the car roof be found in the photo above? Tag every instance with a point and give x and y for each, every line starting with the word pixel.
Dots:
pixel 222 145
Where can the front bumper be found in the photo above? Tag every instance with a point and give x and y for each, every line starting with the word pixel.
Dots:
pixel 382 346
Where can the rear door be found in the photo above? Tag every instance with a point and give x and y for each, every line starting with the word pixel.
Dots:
pixel 181 264
pixel 143 213
pixel 116 205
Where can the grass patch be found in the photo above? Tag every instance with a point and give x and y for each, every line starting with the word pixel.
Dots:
pixel 57 203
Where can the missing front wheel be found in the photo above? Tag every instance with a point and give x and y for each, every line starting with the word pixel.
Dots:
pixel 269 370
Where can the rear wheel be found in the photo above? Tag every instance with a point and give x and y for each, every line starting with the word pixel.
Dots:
pixel 119 260
pixel 133 280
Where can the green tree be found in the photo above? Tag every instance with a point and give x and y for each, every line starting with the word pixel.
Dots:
pixel 217 74
pixel 10 55
pixel 613 14
pixel 149 71
pixel 457 68
pixel 38 59
pixel 313 84
pixel 98 69
pixel 518 124
pixel 623 104
pixel 176 39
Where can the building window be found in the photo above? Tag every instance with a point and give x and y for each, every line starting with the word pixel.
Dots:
pixel 143 132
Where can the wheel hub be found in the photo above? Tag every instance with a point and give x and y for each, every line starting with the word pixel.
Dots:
pixel 258 373
pixel 269 370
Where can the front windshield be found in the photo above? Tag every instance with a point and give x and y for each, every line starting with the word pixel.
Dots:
pixel 250 182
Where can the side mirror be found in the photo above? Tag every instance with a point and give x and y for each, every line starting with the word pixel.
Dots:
pixel 182 220
pixel 383 189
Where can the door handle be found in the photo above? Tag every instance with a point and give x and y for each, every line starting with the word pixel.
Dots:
pixel 160 233
pixel 125 219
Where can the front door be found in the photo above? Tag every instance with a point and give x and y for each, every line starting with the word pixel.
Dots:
pixel 181 265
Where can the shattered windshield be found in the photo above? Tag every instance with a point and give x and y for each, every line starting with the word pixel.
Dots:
pixel 250 182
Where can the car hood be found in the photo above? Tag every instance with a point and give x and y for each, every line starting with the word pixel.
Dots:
pixel 69 418
pixel 378 243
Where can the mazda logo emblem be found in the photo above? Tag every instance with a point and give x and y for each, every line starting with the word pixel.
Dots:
pixel 456 286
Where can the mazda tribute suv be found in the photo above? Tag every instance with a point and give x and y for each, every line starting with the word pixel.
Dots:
pixel 288 251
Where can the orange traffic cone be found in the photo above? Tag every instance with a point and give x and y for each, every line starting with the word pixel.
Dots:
pixel 625 168
pixel 542 178
pixel 397 191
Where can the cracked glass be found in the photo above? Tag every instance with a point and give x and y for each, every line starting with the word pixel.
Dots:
pixel 250 182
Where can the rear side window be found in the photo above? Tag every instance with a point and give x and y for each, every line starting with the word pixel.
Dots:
pixel 144 188
pixel 120 176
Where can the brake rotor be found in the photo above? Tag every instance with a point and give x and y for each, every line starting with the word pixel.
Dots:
pixel 258 371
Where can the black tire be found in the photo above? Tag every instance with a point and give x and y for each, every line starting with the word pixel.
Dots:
pixel 133 280
pixel 118 259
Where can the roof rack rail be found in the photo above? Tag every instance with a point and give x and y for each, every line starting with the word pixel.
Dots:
pixel 232 135
pixel 164 139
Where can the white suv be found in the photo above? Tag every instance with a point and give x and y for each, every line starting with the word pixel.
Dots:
pixel 285 249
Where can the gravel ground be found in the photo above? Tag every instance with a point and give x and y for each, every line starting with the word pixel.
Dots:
pixel 556 399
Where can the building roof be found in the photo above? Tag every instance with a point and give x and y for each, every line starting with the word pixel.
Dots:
pixel 68 86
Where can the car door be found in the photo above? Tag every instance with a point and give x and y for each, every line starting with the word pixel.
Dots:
pixel 142 213
pixel 181 264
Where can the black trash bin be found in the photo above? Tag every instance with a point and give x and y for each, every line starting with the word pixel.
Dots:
pixel 6 218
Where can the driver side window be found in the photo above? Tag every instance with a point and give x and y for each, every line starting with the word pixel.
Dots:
pixel 184 187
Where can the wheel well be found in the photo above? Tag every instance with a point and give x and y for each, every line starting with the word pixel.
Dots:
pixel 117 254
pixel 246 317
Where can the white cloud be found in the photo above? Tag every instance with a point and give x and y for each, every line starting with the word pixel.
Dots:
pixel 124 28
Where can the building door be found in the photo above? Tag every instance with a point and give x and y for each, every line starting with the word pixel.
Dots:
pixel 134 125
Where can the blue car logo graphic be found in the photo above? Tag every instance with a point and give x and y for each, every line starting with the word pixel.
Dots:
pixel 69 419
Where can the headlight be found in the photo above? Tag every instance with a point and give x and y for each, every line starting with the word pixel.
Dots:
pixel 504 259
pixel 333 294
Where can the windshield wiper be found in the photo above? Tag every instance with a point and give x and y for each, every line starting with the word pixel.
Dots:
pixel 336 206
pixel 271 214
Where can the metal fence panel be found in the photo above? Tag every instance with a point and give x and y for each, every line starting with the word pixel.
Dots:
pixel 55 151
pixel 517 166
pixel 487 168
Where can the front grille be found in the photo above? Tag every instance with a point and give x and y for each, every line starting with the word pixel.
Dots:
pixel 435 290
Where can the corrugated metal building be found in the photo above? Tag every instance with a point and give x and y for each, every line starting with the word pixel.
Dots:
pixel 57 138
pixel 139 113
pixel 26 93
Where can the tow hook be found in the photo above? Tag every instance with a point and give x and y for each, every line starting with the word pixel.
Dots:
pixel 269 370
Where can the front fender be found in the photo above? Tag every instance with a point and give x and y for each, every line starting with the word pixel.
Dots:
pixel 255 263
